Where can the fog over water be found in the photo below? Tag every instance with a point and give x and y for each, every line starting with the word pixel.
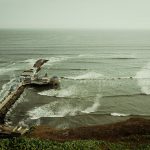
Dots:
pixel 93 14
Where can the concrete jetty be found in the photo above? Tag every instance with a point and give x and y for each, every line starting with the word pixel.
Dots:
pixel 9 100
pixel 28 78
pixel 5 105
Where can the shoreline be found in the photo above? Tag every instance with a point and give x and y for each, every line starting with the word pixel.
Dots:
pixel 79 120
pixel 120 131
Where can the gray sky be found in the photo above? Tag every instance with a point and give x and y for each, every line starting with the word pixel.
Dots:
pixel 109 14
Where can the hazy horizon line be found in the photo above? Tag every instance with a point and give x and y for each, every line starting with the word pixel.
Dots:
pixel 102 29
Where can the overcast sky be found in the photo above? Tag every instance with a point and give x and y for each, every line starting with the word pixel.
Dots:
pixel 95 14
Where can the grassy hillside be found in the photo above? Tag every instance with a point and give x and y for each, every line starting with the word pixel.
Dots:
pixel 36 144
pixel 131 134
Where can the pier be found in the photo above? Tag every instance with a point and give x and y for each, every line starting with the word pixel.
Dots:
pixel 10 131
pixel 9 100
pixel 27 78
pixel 5 105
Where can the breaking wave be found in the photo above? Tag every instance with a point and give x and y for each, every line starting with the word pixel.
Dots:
pixel 28 63
pixel 143 79
pixel 62 109
pixel 47 111
pixel 6 88
pixel 71 90
pixel 88 75
pixel 95 105
pixel 9 68
pixel 126 115
pixel 56 59
pixel 51 60
pixel 119 114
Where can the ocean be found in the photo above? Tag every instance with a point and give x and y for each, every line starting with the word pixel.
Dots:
pixel 105 76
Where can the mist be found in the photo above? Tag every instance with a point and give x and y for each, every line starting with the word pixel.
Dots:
pixel 84 14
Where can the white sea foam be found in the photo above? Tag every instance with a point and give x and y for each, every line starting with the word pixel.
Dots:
pixel 53 109
pixel 56 59
pixel 6 87
pixel 143 78
pixel 11 68
pixel 51 60
pixel 7 70
pixel 23 124
pixel 119 114
pixel 70 91
pixel 88 75
pixel 63 108
pixel 95 105
pixel 20 100
pixel 30 62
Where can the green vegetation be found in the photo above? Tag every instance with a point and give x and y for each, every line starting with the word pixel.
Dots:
pixel 35 144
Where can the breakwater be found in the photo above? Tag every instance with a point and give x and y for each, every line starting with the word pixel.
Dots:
pixel 9 100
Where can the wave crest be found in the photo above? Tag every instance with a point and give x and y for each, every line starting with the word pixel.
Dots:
pixel 51 60
pixel 71 90
pixel 119 114
pixel 6 88
pixel 63 108
pixel 95 105
pixel 143 79
pixel 88 75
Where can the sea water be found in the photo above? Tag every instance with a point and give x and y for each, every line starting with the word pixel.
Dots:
pixel 105 75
